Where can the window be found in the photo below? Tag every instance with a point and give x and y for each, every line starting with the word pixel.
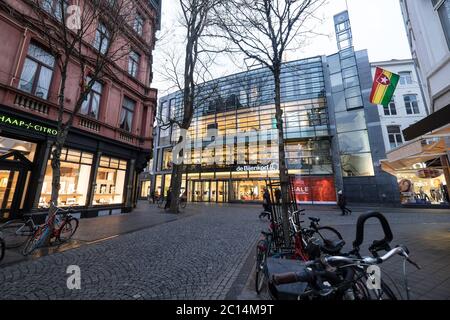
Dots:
pixel 75 172
pixel 126 117
pixel 405 77
pixel 133 63
pixel 91 105
pixel 395 136
pixel 110 181
pixel 101 41
pixel 390 110
pixel 357 165
pixel 138 24
pixel 443 9
pixel 37 72
pixel 411 105
pixel 54 7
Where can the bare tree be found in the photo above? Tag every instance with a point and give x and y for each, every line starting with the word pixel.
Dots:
pixel 88 35
pixel 264 30
pixel 185 72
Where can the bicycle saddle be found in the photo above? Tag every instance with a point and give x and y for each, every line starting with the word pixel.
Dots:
pixel 314 219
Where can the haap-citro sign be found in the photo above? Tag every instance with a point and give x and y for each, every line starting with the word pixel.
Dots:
pixel 28 125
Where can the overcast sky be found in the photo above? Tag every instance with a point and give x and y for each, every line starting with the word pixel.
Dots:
pixel 377 26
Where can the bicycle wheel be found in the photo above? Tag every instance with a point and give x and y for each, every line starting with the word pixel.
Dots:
pixel 15 233
pixel 161 204
pixel 2 249
pixel 67 229
pixel 183 204
pixel 35 240
pixel 261 257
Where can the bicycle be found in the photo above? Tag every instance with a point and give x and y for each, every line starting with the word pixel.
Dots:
pixel 332 242
pixel 64 228
pixel 345 277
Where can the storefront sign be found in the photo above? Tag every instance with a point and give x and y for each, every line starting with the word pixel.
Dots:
pixel 269 167
pixel 28 125
pixel 317 189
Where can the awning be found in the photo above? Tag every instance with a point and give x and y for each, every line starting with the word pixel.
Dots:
pixel 436 124
pixel 417 151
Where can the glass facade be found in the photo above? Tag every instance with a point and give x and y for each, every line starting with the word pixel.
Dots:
pixel 232 146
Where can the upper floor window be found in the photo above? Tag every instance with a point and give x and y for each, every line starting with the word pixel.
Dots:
pixel 390 110
pixel 395 136
pixel 101 41
pixel 443 9
pixel 55 7
pixel 37 72
pixel 126 116
pixel 405 77
pixel 411 104
pixel 138 24
pixel 91 105
pixel 133 63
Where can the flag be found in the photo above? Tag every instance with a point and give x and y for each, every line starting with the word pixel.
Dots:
pixel 384 85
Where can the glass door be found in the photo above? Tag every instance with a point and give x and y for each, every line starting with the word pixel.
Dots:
pixel 8 191
pixel 206 191
pixel 222 191
pixel 213 191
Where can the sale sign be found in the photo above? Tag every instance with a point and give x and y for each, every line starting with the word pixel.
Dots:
pixel 314 189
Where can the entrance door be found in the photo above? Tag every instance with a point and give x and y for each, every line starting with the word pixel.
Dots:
pixel 222 191
pixel 14 175
pixel 206 191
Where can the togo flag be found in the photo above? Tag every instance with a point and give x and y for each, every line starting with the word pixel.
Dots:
pixel 384 85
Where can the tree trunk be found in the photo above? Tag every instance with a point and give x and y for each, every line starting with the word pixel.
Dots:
pixel 284 183
pixel 175 183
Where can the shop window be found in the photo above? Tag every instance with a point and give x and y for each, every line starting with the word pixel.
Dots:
pixel 110 181
pixel 91 105
pixel 390 110
pixel 167 159
pixel 411 104
pixel 395 136
pixel 145 189
pixel 75 172
pixel 357 165
pixel 126 116
pixel 37 72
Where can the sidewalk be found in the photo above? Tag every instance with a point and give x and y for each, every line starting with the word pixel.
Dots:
pixel 99 229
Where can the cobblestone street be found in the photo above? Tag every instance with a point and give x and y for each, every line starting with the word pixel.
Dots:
pixel 197 257
pixel 209 254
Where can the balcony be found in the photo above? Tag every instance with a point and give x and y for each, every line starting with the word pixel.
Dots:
pixel 30 103
pixel 89 124
pixel 126 137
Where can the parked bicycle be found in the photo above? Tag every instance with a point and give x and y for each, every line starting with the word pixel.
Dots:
pixel 19 232
pixel 345 276
pixel 331 242
pixel 181 203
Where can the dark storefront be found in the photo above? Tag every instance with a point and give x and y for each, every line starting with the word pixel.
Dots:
pixel 98 175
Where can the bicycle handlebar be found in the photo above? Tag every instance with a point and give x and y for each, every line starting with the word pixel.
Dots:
pixel 377 245
pixel 309 275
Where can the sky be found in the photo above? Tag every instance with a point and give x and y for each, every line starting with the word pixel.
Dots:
pixel 377 26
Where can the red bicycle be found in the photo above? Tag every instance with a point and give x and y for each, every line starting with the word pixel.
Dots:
pixel 64 227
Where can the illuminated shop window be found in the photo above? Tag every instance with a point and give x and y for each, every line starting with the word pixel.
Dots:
pixel 75 172
pixel 110 181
